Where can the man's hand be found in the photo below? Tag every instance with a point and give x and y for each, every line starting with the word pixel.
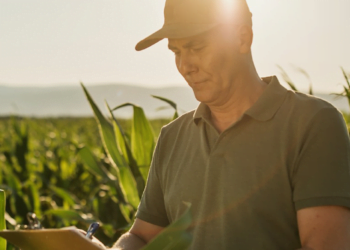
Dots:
pixel 324 228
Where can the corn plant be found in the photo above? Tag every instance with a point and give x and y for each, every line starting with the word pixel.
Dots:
pixel 346 87
pixel 130 158
pixel 57 187
pixel 345 93
pixel 289 81
pixel 3 242
pixel 41 181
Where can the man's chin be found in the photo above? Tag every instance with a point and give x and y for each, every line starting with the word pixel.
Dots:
pixel 201 97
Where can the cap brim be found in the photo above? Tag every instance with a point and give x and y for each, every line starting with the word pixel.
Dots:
pixel 175 31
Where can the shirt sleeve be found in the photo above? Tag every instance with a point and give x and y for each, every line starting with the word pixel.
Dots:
pixel 152 207
pixel 322 172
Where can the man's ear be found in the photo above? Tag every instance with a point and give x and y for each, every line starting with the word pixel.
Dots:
pixel 246 38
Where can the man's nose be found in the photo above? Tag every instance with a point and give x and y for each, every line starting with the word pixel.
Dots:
pixel 186 64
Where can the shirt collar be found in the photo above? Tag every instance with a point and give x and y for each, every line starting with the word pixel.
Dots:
pixel 264 108
pixel 269 102
pixel 202 112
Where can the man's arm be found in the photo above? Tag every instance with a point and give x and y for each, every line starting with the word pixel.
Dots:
pixel 324 228
pixel 139 235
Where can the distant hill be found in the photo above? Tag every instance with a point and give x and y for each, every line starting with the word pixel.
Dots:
pixel 70 100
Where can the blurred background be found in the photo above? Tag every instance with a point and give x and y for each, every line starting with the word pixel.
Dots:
pixel 48 47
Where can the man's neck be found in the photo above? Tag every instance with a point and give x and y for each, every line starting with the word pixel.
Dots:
pixel 246 93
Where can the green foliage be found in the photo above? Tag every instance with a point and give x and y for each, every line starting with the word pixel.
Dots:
pixel 59 169
pixel 3 242
pixel 62 170
pixel 132 157
pixel 171 103
pixel 141 142
pixel 346 93
pixel 289 81
pixel 346 87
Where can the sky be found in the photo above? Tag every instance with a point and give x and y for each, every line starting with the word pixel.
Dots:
pixel 63 42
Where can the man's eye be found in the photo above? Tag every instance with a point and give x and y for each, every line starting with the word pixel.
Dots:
pixel 197 49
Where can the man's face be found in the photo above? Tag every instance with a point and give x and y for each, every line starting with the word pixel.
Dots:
pixel 209 62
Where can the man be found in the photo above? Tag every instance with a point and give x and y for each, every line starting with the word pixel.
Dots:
pixel 263 167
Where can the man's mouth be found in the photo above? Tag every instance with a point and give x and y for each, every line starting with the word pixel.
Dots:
pixel 198 82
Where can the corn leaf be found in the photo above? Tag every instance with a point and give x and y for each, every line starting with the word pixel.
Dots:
pixel 124 209
pixel 107 134
pixel 91 163
pixel 346 78
pixel 129 186
pixel 142 139
pixel 109 142
pixel 121 138
pixel 302 71
pixel 14 183
pixel 125 147
pixel 347 93
pixel 171 103
pixel 70 215
pixel 3 242
pixel 126 178
pixel 66 196
pixel 35 199
pixel 287 79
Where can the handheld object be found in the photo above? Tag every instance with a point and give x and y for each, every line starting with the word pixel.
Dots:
pixel 92 230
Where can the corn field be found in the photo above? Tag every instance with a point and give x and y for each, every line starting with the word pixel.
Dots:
pixel 74 171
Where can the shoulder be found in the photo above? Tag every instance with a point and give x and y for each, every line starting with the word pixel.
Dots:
pixel 180 123
pixel 308 103
pixel 308 108
pixel 304 115
pixel 175 135
pixel 177 132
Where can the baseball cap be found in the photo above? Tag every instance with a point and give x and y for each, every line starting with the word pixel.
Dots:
pixel 186 18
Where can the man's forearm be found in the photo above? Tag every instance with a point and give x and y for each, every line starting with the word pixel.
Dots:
pixel 129 241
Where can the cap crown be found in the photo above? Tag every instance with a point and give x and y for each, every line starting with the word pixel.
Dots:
pixel 204 11
pixel 185 18
pixel 189 11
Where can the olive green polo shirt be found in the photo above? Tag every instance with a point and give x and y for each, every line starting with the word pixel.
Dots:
pixel 287 152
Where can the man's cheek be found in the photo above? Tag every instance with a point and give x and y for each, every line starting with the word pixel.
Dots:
pixel 214 65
